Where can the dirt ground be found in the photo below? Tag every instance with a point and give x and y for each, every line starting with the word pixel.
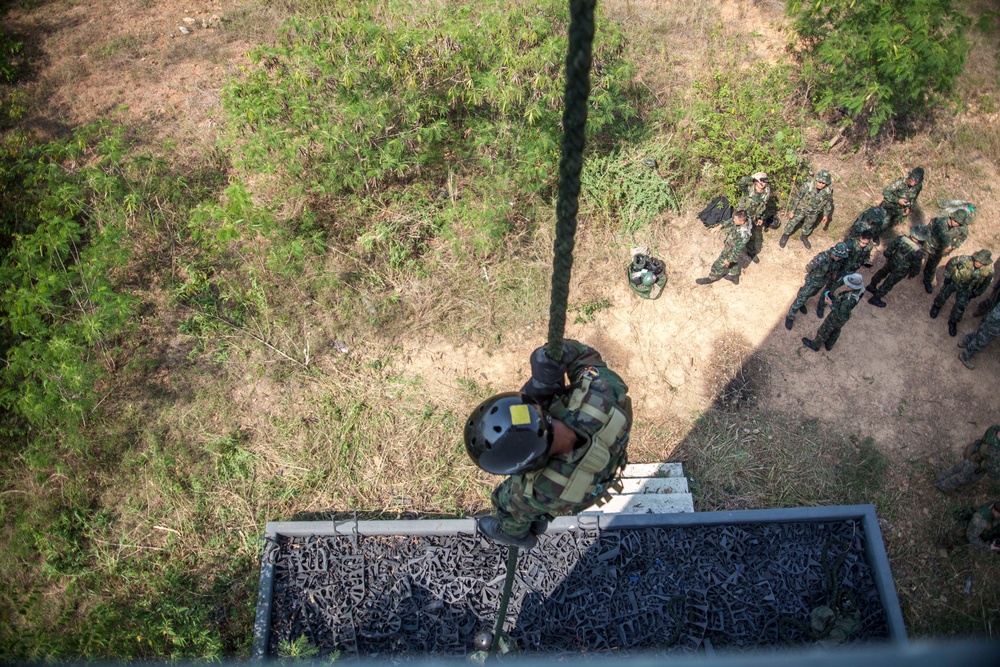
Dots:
pixel 894 374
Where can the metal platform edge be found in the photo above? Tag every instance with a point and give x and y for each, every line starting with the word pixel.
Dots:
pixel 874 546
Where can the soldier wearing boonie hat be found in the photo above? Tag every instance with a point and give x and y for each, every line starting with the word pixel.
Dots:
pixel 841 305
pixel 818 272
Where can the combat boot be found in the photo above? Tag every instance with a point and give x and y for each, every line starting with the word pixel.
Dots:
pixel 803 310
pixel 935 309
pixel 966 362
pixel 952 329
pixel 489 527
pixel 707 281
pixel 820 309
pixel 805 242
pixel 734 278
pixel 827 345
pixel 928 288
pixel 789 321
pixel 783 241
pixel 810 344
pixel 871 288
pixel 877 302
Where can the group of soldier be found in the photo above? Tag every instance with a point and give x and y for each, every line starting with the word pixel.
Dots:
pixel 833 274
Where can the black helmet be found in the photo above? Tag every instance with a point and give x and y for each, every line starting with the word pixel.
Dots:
pixel 508 434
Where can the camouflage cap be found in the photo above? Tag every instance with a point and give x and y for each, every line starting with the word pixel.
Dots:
pixel 839 250
pixel 854 281
pixel 823 176
pixel 983 256
pixel 920 232
pixel 876 213
pixel 917 174
pixel 760 176
pixel 961 216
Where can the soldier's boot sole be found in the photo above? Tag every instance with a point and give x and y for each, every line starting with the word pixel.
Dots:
pixel 966 362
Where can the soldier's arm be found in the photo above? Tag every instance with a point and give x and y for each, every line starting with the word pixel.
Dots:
pixel 978 526
pixel 981 286
pixel 827 204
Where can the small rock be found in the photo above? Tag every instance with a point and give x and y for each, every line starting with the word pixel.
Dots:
pixel 943 553
pixel 189 21
pixel 183 30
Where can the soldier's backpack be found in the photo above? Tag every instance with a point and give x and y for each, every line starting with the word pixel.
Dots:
pixel 717 210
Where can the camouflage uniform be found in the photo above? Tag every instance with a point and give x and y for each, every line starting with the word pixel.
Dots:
pixel 818 273
pixel 899 189
pixel 981 457
pixel 517 509
pixel 961 276
pixel 872 220
pixel 840 311
pixel 809 206
pixel 988 329
pixel 759 207
pixel 980 532
pixel 943 237
pixel 903 259
pixel 857 257
pixel 737 238
pixel 987 304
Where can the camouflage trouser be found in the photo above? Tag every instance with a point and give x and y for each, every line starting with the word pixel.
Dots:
pixel 962 299
pixel 756 241
pixel 829 331
pixel 722 267
pixel 987 304
pixel 889 276
pixel 988 329
pixel 960 475
pixel 893 215
pixel 810 289
pixel 930 268
pixel 809 222
pixel 516 511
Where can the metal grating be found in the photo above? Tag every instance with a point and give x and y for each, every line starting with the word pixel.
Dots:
pixel 596 588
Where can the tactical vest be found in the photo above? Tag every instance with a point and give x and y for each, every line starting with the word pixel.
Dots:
pixel 581 482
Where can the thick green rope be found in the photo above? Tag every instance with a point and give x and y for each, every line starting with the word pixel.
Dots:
pixel 508 586
pixel 581 39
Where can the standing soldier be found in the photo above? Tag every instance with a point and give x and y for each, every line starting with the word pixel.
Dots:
pixel 756 201
pixel 979 458
pixel 738 232
pixel 981 532
pixel 947 234
pixel 973 343
pixel 818 272
pixel 871 221
pixel 987 304
pixel 811 207
pixel 859 253
pixel 899 197
pixel 563 447
pixel 903 259
pixel 841 305
pixel 969 276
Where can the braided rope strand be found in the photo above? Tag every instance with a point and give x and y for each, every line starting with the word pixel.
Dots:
pixel 581 38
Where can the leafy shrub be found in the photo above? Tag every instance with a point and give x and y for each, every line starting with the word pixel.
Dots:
pixel 876 60
pixel 368 93
pixel 736 126
pixel 619 186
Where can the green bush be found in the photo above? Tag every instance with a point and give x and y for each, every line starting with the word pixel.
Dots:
pixel 877 60
pixel 736 125
pixel 369 93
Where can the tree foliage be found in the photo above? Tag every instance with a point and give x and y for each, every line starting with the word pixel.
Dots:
pixel 876 60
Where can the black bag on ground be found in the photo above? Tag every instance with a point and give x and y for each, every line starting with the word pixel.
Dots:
pixel 717 211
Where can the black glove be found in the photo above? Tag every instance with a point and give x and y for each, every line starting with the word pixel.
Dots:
pixel 547 376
